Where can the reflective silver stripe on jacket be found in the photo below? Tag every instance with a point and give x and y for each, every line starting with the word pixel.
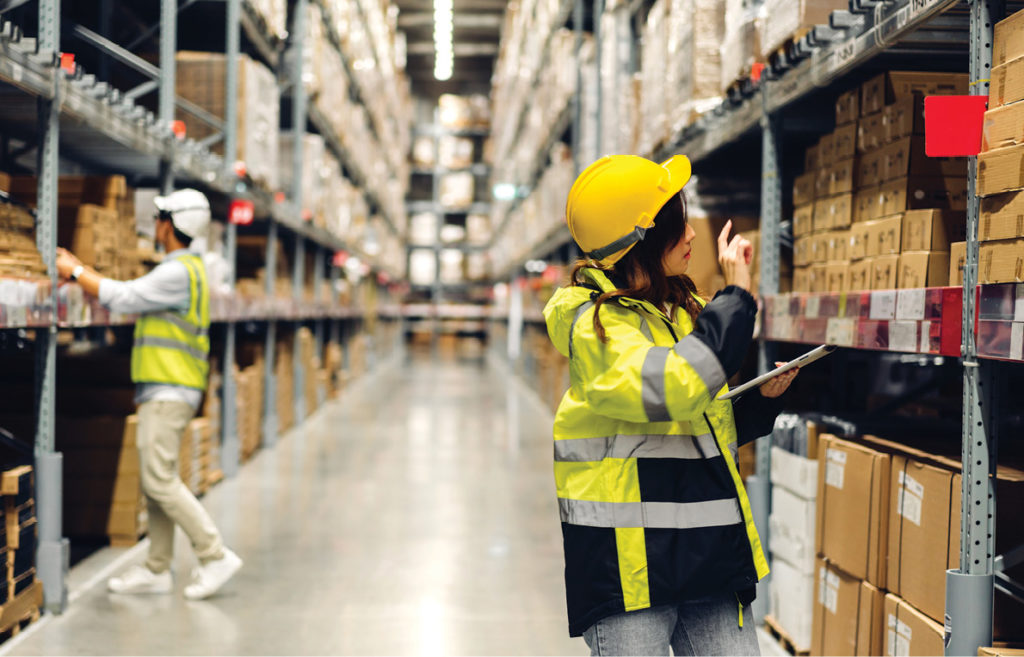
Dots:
pixel 646 329
pixel 641 446
pixel 653 515
pixel 652 389
pixel 183 324
pixel 579 313
pixel 164 343
pixel 704 361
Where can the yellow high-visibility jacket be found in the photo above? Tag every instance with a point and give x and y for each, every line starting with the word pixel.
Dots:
pixel 652 505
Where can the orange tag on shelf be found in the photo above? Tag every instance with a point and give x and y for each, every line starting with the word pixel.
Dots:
pixel 178 128
pixel 241 212
pixel 67 62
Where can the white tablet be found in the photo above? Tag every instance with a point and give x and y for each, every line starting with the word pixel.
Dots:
pixel 806 359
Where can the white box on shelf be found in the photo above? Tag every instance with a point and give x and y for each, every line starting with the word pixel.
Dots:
pixel 792 526
pixel 792 602
pixel 795 473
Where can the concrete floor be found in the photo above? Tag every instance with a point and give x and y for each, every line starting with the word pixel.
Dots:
pixel 415 516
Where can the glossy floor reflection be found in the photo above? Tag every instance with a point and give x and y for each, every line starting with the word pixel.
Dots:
pixel 415 516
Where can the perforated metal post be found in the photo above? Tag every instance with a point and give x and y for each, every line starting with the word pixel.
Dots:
pixel 168 73
pixel 298 368
pixel 599 37
pixel 970 589
pixel 52 553
pixel 270 346
pixel 299 109
pixel 229 453
pixel 577 100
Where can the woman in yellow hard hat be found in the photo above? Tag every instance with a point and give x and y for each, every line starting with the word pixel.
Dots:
pixel 660 545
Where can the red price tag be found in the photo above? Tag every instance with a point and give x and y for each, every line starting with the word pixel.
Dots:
pixel 178 128
pixel 67 62
pixel 340 258
pixel 241 212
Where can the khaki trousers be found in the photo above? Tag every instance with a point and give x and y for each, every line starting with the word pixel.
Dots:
pixel 161 427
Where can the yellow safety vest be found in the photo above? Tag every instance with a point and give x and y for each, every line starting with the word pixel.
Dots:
pixel 172 347
pixel 653 508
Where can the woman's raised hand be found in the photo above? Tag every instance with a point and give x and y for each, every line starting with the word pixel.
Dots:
pixel 734 257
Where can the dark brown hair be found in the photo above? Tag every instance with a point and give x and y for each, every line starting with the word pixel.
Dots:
pixel 640 274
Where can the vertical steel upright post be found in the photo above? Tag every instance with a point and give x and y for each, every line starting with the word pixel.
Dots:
pixel 438 291
pixel 320 303
pixel 299 109
pixel 270 346
pixel 334 335
pixel 168 75
pixel 599 37
pixel 52 556
pixel 970 589
pixel 229 453
pixel 577 100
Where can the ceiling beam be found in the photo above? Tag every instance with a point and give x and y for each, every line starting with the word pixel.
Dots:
pixel 472 21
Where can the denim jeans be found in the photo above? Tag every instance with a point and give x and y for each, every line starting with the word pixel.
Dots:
pixel 702 627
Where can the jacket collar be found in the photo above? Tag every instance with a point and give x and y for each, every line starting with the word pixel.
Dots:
pixel 601 279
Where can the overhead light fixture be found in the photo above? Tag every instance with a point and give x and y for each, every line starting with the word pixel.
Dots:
pixel 444 52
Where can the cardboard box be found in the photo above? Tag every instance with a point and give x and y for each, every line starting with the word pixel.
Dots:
pixel 1001 170
pixel 848 616
pixel 866 204
pixel 889 87
pixel 932 230
pixel 797 474
pixel 923 269
pixel 818 248
pixel 792 529
pixel 906 157
pixel 848 107
pixel 1003 127
pixel 833 212
pixel 803 188
pixel 838 246
pixel 803 220
pixel 802 255
pixel 853 521
pixel 904 118
pixel 908 631
pixel 1007 85
pixel 860 277
pixel 884 272
pixel 818 278
pixel 836 274
pixel 812 158
pixel 921 192
pixel 792 602
pixel 870 133
pixel 841 176
pixel 826 150
pixel 860 233
pixel 1008 39
pixel 999 651
pixel 924 540
pixel 801 279
pixel 884 236
pixel 844 142
pixel 1001 217
pixel 871 167
pixel 1001 261
pixel 957 256
pixel 822 182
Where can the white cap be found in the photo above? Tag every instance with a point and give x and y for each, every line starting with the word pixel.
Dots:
pixel 189 209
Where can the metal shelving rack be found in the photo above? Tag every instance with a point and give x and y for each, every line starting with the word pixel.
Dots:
pixel 824 56
pixel 103 128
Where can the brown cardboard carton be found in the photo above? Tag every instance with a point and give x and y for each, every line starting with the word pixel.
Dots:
pixel 889 87
pixel 803 188
pixel 1002 127
pixel 801 279
pixel 848 107
pixel 1001 261
pixel 826 151
pixel 871 167
pixel 822 182
pixel 870 133
pixel 1007 84
pixel 908 631
pixel 904 118
pixel 802 251
pixel 907 157
pixel 1001 170
pixel 844 142
pixel 859 235
pixel 924 537
pixel 88 231
pixel 833 212
pixel 819 278
pixel 923 269
pixel 860 275
pixel 705 272
pixel 884 236
pixel 841 175
pixel 957 256
pixel 1001 217
pixel 819 248
pixel 836 276
pixel 812 159
pixel 853 521
pixel 921 192
pixel 1008 36
pixel 1000 651
pixel 838 246
pixel 848 614
pixel 866 204
pixel 932 230
pixel 803 220
pixel 885 272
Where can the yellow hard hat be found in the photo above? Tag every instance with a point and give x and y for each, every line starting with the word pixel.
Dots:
pixel 613 202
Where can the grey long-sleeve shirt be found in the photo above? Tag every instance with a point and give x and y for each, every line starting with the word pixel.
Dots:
pixel 165 288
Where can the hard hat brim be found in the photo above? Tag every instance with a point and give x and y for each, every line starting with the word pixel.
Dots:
pixel 680 170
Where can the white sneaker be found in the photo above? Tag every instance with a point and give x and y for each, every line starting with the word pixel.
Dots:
pixel 211 577
pixel 139 579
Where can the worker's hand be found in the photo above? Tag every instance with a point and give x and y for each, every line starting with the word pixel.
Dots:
pixel 66 263
pixel 734 256
pixel 778 385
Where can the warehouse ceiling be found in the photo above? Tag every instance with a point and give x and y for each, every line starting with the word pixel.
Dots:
pixel 477 29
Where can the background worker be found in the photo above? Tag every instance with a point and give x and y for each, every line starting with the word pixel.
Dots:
pixel 170 368
pixel 660 545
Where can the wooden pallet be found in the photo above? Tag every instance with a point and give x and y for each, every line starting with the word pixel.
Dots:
pixel 20 612
pixel 783 637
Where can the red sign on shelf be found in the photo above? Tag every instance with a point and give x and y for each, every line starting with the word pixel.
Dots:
pixel 178 128
pixel 241 212
pixel 340 258
pixel 67 62
pixel 953 124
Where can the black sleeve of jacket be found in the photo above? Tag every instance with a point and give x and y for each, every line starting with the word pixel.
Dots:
pixel 755 415
pixel 726 326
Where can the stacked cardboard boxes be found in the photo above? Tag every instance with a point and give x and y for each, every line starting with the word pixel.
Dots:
pixel 284 372
pixel 19 256
pixel 1000 173
pixel 17 486
pixel 249 398
pixel 869 184
pixel 788 20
